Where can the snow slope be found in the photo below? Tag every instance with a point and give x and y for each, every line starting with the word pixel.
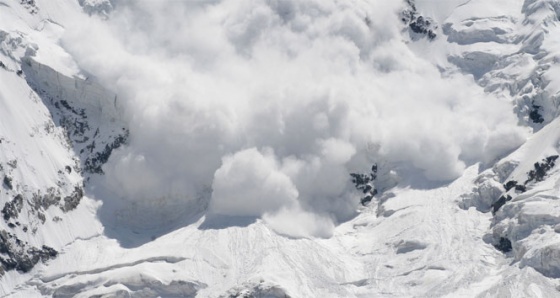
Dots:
pixel 418 237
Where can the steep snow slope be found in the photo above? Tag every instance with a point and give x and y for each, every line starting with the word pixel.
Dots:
pixel 479 235
pixel 42 195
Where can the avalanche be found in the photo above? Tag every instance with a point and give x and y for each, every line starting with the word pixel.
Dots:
pixel 207 149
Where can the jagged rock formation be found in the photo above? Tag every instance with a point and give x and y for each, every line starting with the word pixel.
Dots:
pixel 418 25
pixel 16 254
pixel 365 183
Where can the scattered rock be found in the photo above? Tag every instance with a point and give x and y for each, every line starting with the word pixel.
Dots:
pixel 41 216
pixel 418 24
pixel 12 163
pixel 7 182
pixel 19 255
pixel 364 182
pixel 72 201
pixel 520 188
pixel 535 115
pixel 94 162
pixel 13 208
pixel 30 5
pixel 500 202
pixel 510 184
pixel 541 169
pixel 52 197
pixel 504 245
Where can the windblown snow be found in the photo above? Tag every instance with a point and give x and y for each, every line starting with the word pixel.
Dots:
pixel 279 148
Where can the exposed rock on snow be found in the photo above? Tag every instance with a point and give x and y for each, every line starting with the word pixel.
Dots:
pixel 503 245
pixel 13 208
pixel 87 111
pixel 418 25
pixel 16 254
pixel 365 183
pixel 541 169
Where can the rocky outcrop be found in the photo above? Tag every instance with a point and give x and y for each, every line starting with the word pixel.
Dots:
pixel 418 25
pixel 541 169
pixel 364 183
pixel 13 208
pixel 30 5
pixel 16 254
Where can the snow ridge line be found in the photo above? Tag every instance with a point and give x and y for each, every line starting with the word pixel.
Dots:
pixel 162 259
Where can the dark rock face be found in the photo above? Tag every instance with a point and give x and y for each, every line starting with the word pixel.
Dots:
pixel 72 201
pixel 417 23
pixel 535 115
pixel 94 162
pixel 504 245
pixel 500 202
pixel 510 184
pixel 13 208
pixel 422 26
pixel 19 255
pixel 7 182
pixel 541 169
pixel 520 188
pixel 364 182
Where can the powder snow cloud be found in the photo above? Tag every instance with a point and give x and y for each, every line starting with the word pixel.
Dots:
pixel 271 104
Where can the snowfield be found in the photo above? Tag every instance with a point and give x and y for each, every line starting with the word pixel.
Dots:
pixel 205 149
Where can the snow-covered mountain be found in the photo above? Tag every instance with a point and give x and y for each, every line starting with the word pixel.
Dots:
pixel 279 148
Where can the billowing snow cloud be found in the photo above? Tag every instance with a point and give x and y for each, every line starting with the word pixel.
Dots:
pixel 272 104
pixel 250 184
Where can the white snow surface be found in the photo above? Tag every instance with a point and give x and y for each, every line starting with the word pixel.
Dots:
pixel 236 178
